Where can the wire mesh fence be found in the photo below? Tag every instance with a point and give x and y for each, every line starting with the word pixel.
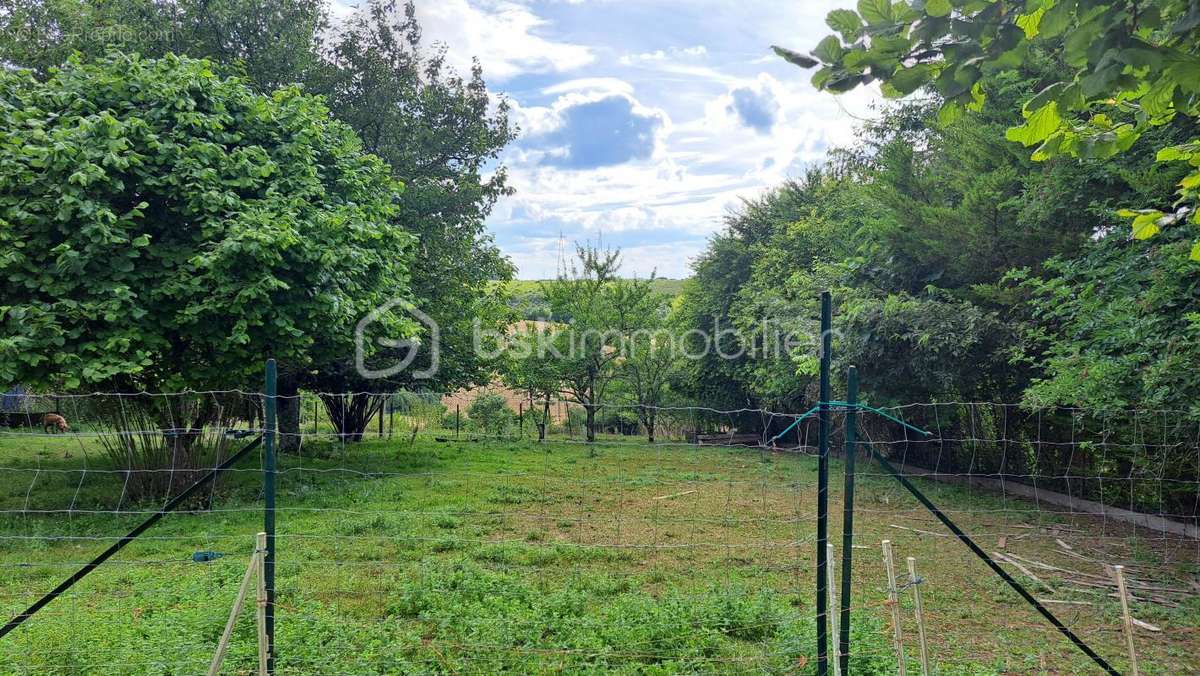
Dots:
pixel 422 540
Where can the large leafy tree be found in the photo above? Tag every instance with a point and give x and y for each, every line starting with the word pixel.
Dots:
pixel 162 227
pixel 1117 327
pixel 524 367
pixel 585 352
pixel 652 354
pixel 1129 66
pixel 270 43
pixel 438 131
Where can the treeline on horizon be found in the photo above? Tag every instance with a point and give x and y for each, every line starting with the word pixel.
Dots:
pixel 963 271
pixel 322 174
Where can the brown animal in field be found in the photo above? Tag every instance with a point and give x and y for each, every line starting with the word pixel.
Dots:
pixel 53 421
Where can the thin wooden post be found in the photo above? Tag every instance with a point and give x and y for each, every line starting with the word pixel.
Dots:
pixel 223 646
pixel 833 616
pixel 1119 573
pixel 894 602
pixel 268 560
pixel 457 420
pixel 263 649
pixel 382 403
pixel 391 410
pixel 919 609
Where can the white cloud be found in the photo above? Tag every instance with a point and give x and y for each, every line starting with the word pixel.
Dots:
pixel 726 117
pixel 506 36
pixel 593 122
pixel 604 85
pixel 660 56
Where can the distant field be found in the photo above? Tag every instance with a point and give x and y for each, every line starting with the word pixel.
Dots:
pixel 668 287
pixel 526 297
pixel 488 556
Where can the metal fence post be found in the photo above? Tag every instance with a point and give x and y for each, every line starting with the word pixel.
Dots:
pixel 843 649
pixel 823 487
pixel 269 511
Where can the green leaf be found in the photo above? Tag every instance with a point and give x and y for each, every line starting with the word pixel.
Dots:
pixel 977 98
pixel 908 80
pixel 1157 101
pixel 1043 97
pixel 1056 19
pixel 1145 225
pixel 948 113
pixel 1172 154
pixel 795 58
pixel 829 49
pixel 1031 23
pixel 937 7
pixel 821 77
pixel 846 22
pixel 1038 126
pixel 1195 252
pixel 876 12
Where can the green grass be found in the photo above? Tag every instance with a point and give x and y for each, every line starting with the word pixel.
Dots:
pixel 490 556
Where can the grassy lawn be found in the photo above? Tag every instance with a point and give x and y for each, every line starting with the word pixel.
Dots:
pixel 486 556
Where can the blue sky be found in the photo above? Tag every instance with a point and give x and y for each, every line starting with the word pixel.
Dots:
pixel 643 122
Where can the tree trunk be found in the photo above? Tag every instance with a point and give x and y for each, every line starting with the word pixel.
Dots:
pixel 545 420
pixel 287 413
pixel 350 413
pixel 650 426
pixel 590 407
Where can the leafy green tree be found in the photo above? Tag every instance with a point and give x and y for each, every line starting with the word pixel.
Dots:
pixel 438 132
pixel 1116 328
pixel 165 228
pixel 650 352
pixel 586 352
pixel 490 413
pixel 1130 66
pixel 722 315
pixel 436 129
pixel 525 367
pixel 269 43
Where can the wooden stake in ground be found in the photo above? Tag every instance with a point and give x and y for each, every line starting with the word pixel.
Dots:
pixel 915 583
pixel 835 656
pixel 253 570
pixel 894 602
pixel 1119 574
pixel 223 646
pixel 263 647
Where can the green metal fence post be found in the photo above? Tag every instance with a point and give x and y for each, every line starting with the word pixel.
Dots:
pixel 843 650
pixel 823 487
pixel 269 511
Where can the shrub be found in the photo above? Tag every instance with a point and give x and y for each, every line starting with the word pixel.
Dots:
pixel 489 412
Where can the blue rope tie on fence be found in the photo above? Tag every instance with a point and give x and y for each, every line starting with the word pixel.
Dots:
pixel 846 406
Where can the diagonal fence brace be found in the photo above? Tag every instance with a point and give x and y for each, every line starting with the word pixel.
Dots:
pixel 129 537
pixel 1012 582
